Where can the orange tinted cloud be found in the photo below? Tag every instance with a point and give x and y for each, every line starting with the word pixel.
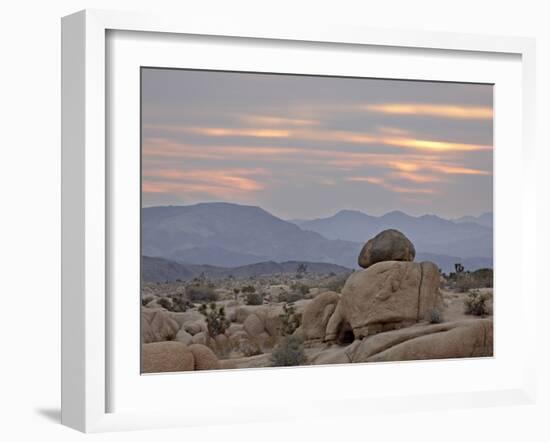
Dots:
pixel 162 149
pixel 434 110
pixel 388 185
pixel 434 145
pixel 415 177
pixel 221 183
pixel 406 142
pixel 239 132
pixel 268 120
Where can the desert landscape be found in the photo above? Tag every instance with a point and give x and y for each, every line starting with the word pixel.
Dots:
pixel 392 309
pixel 297 220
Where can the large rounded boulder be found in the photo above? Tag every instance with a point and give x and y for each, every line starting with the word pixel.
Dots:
pixel 460 339
pixel 317 315
pixel 157 325
pixel 389 245
pixel 390 295
pixel 205 358
pixel 169 356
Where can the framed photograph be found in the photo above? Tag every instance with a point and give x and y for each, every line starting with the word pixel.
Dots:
pixel 257 213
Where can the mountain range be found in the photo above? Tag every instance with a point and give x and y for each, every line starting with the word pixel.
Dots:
pixel 428 233
pixel 160 269
pixel 230 236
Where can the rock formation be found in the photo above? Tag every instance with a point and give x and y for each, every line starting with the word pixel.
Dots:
pixel 317 314
pixel 471 338
pixel 389 245
pixel 157 325
pixel 169 356
pixel 390 295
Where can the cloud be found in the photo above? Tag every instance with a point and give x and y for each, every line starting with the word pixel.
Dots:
pixel 270 120
pixel 229 131
pixel 219 183
pixel 324 136
pixel 388 185
pixel 165 151
pixel 433 110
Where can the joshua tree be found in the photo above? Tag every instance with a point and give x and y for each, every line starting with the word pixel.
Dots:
pixel 216 320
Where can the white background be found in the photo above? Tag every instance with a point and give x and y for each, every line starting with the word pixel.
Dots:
pixel 30 217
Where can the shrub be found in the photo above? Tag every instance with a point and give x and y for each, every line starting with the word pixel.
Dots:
pixel 336 284
pixel 165 303
pixel 483 277
pixel 248 289
pixel 435 316
pixel 288 353
pixel 465 281
pixel 290 320
pixel 289 297
pixel 476 303
pixel 302 289
pixel 254 299
pixel 249 348
pixel 201 293
pixel 146 300
pixel 179 303
pixel 216 320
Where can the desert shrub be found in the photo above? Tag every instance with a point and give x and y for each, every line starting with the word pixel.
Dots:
pixel 146 300
pixel 248 289
pixel 180 303
pixel 216 321
pixel 201 293
pixel 282 297
pixel 465 282
pixel 483 277
pixel 336 284
pixel 290 297
pixel 435 316
pixel 254 299
pixel 288 353
pixel 165 303
pixel 249 347
pixel 302 289
pixel 174 303
pixel 476 303
pixel 290 320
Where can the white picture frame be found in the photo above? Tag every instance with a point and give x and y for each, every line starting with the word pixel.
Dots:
pixel 87 207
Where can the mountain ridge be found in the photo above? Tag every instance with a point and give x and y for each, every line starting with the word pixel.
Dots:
pixel 232 235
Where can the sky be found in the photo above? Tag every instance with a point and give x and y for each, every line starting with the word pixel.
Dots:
pixel 304 147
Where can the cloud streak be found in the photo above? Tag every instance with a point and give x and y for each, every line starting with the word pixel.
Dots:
pixel 324 136
pixel 220 183
pixel 433 110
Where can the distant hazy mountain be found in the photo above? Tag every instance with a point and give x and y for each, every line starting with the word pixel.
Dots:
pixel 160 269
pixel 485 219
pixel 429 233
pixel 230 235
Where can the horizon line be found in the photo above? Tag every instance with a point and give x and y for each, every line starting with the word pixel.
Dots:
pixel 491 212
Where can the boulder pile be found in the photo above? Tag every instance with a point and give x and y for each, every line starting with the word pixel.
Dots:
pixel 391 292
